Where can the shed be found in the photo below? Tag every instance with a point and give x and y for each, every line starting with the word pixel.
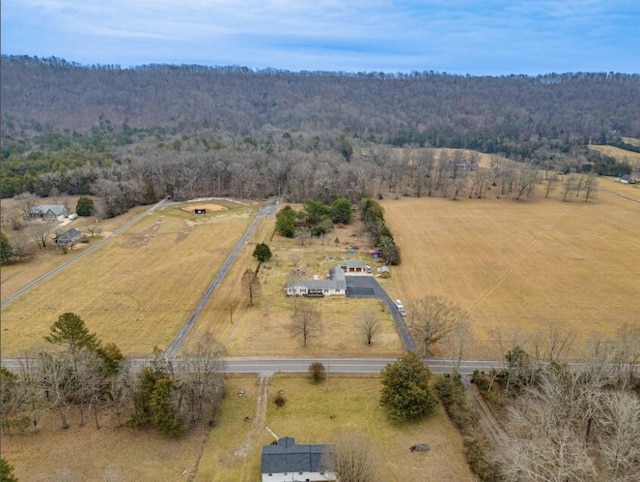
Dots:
pixel 289 461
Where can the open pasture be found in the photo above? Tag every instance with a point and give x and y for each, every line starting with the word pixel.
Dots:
pixel 138 288
pixel 522 267
pixel 621 155
pixel 39 262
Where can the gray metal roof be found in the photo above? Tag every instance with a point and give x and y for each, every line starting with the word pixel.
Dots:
pixel 73 233
pixel 336 281
pixel 287 456
pixel 57 209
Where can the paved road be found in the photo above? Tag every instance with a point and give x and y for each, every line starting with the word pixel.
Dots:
pixel 269 366
pixel 268 209
pixel 368 287
pixel 82 253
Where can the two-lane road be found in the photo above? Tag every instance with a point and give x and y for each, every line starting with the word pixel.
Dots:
pixel 269 366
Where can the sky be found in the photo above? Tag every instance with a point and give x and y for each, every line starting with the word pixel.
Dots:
pixel 477 37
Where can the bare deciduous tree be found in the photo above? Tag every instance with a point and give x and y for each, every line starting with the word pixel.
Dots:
pixel 590 187
pixel 307 322
pixel 294 259
pixel 352 459
pixel 434 318
pixel 251 285
pixel 58 382
pixel 369 324
pixel 201 383
pixel 40 232
pixel 26 202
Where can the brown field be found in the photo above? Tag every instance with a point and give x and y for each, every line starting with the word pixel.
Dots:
pixel 231 451
pixel 631 140
pixel 306 418
pixel 633 158
pixel 520 267
pixel 40 261
pixel 136 290
pixel 484 160
pixel 111 453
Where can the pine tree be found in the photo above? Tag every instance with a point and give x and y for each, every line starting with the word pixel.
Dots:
pixel 406 393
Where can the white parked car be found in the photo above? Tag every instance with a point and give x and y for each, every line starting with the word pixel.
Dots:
pixel 72 216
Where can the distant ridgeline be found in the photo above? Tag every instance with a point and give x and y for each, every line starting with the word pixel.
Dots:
pixel 81 121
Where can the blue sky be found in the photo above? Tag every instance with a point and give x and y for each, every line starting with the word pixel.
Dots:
pixel 456 36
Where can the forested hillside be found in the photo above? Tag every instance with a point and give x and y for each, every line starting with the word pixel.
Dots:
pixel 420 107
pixel 194 130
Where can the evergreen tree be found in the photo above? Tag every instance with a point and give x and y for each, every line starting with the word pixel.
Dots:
pixel 406 394
pixel 5 248
pixel 6 471
pixel 85 206
pixel 69 330
pixel 341 210
pixel 284 222
pixel 262 252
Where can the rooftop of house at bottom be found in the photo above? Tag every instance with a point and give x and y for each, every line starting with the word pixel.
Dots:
pixel 287 460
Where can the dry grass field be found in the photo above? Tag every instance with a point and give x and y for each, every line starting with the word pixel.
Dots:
pixel 305 417
pixel 263 329
pixel 111 453
pixel 137 289
pixel 520 267
pixel 633 158
pixel 631 140
pixel 40 261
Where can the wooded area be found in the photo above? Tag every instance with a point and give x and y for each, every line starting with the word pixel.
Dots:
pixel 134 135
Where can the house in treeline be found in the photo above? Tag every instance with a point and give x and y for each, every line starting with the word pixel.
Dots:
pixel 289 461
pixel 628 179
pixel 49 212
pixel 68 238
pixel 336 284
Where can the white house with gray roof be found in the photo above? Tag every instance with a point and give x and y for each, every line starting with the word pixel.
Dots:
pixel 335 285
pixel 289 461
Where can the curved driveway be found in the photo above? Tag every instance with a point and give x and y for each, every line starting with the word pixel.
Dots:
pixel 364 286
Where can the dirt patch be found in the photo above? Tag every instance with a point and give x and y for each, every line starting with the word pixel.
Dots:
pixel 261 415
pixel 183 233
pixel 132 241
pixel 207 207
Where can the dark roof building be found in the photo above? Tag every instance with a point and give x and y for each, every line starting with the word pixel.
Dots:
pixel 289 461
pixel 69 237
